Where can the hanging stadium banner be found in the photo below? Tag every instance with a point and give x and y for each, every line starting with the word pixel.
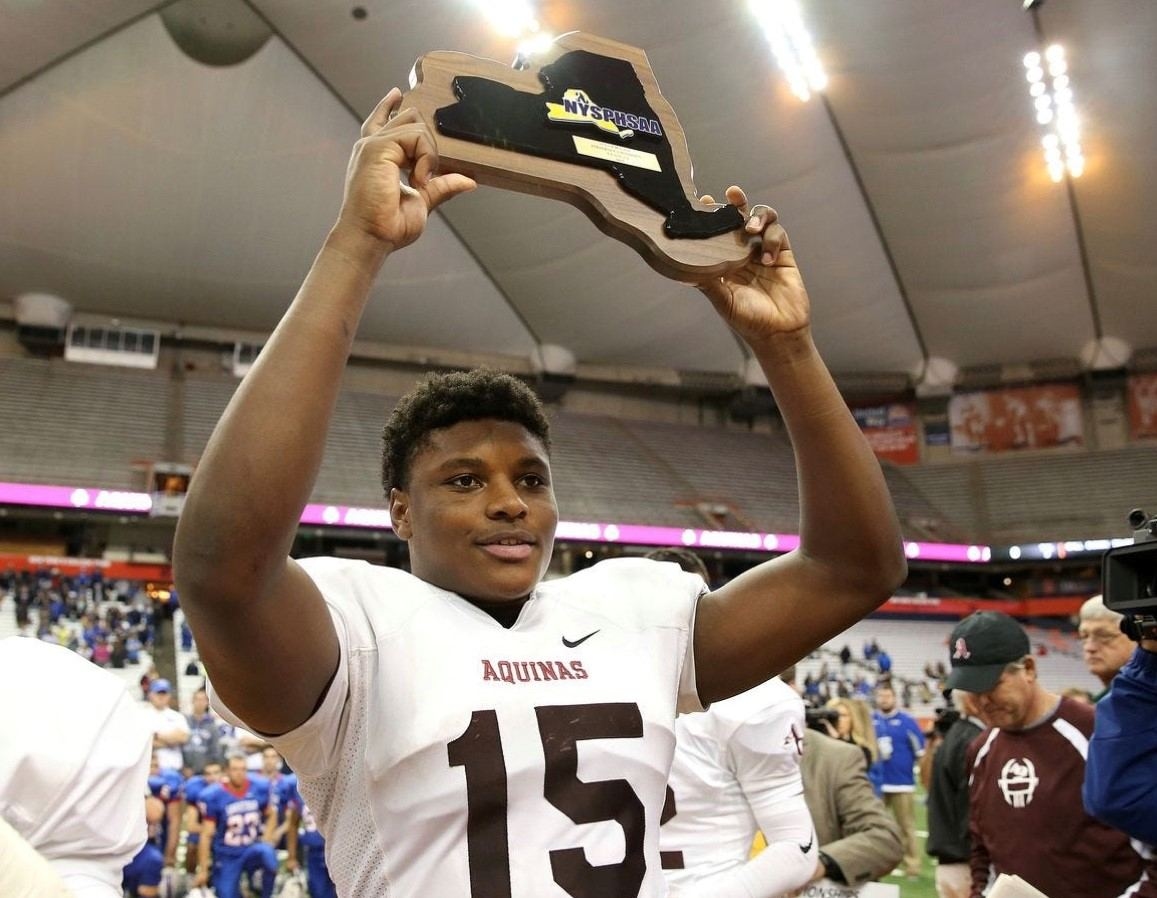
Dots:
pixel 1142 390
pixel 1039 417
pixel 890 431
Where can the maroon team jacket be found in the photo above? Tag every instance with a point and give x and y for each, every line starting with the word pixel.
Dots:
pixel 1026 816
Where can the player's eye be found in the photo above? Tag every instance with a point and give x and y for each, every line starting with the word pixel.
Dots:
pixel 534 481
pixel 464 481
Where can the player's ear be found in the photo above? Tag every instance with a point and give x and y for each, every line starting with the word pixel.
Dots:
pixel 400 513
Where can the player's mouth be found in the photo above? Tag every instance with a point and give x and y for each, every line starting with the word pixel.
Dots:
pixel 513 545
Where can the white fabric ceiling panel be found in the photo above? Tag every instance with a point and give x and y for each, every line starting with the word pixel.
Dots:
pixel 580 289
pixel 937 114
pixel 34 34
pixel 164 189
pixel 135 182
pixel 1112 55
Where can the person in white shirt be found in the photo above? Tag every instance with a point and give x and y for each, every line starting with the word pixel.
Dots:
pixel 71 781
pixel 170 728
pixel 468 728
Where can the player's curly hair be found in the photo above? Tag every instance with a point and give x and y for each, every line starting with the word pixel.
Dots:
pixel 443 400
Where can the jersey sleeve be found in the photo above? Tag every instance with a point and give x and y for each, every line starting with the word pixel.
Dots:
pixel 765 753
pixel 312 748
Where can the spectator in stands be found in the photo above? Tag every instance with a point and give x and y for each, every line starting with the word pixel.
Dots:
pixel 367 672
pixel 1105 647
pixel 884 664
pixel 74 759
pixel 1026 772
pixel 204 744
pixel 901 743
pixel 948 838
pixel 845 657
pixel 858 839
pixel 170 729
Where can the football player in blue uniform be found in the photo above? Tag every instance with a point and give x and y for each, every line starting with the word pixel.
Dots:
pixel 303 832
pixel 235 816
pixel 191 793
pixel 142 877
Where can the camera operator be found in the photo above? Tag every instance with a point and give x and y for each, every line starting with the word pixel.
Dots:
pixel 1122 767
pixel 1121 771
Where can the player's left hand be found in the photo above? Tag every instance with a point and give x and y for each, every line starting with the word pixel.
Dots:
pixel 765 297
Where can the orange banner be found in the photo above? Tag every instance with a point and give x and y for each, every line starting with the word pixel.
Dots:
pixel 1018 418
pixel 1142 391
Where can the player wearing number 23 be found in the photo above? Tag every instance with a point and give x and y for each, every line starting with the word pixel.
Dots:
pixel 234 816
pixel 469 728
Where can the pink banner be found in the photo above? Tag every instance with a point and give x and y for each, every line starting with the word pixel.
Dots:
pixel 576 531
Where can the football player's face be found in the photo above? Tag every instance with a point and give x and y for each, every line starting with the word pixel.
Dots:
pixel 237 772
pixel 479 510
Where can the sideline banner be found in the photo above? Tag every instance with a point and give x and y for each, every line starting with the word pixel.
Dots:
pixel 891 431
pixel 1039 417
pixel 1142 395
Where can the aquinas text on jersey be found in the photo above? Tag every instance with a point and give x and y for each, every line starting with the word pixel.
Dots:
pixel 532 671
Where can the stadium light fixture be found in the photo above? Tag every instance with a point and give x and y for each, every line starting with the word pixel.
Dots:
pixel 510 18
pixel 791 44
pixel 1050 88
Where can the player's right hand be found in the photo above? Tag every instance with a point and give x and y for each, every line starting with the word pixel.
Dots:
pixel 378 202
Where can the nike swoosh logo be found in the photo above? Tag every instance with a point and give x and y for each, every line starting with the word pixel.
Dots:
pixel 808 847
pixel 577 642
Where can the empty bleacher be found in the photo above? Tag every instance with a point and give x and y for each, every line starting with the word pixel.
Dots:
pixel 96 426
pixel 79 424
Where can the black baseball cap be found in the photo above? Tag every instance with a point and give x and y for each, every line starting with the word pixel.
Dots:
pixel 982 646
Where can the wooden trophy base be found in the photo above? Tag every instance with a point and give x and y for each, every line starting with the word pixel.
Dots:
pixel 586 125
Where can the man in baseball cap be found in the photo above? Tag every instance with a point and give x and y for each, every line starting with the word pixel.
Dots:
pixel 1026 770
pixel 983 646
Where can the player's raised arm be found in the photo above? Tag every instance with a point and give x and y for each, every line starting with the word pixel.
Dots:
pixel 851 555
pixel 262 629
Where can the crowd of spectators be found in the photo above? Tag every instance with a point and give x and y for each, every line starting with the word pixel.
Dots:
pixel 858 678
pixel 112 624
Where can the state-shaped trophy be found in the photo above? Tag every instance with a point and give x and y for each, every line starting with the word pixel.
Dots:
pixel 585 123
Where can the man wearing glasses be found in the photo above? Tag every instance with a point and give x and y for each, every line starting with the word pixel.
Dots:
pixel 1105 647
pixel 1026 773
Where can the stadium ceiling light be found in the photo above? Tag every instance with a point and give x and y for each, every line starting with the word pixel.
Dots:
pixel 1052 98
pixel 791 44
pixel 510 18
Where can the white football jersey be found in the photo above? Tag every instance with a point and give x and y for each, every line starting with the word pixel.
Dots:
pixel 74 762
pixel 734 763
pixel 454 757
